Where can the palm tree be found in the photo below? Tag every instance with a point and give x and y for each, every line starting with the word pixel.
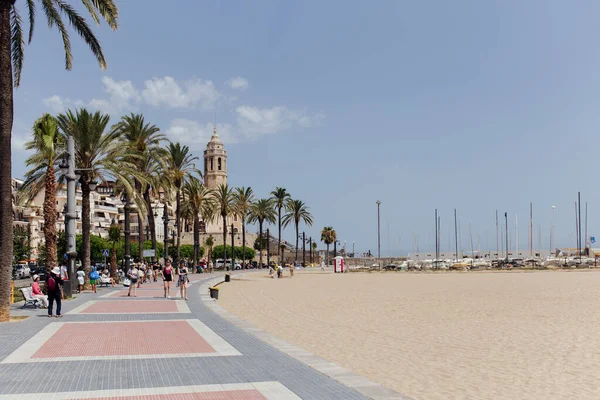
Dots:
pixel 114 237
pixel 199 204
pixel 98 155
pixel 209 242
pixel 144 141
pixel 297 212
pixel 262 211
pixel 225 205
pixel 11 56
pixel 46 141
pixel 181 166
pixel 244 197
pixel 314 248
pixel 328 236
pixel 279 197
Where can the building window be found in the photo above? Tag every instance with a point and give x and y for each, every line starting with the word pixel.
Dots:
pixel 235 217
pixel 219 163
pixel 211 164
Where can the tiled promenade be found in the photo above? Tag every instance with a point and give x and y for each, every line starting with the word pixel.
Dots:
pixel 109 346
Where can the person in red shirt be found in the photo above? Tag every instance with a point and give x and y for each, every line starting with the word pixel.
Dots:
pixel 36 292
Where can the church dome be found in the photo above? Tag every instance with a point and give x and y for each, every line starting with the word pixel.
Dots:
pixel 214 140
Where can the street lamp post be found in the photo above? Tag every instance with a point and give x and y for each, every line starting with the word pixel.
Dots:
pixel 165 218
pixel 378 233
pixel 353 253
pixel 268 249
pixel 303 249
pixel 310 248
pixel 127 232
pixel 232 250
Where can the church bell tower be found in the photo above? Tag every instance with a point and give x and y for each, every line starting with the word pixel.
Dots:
pixel 215 162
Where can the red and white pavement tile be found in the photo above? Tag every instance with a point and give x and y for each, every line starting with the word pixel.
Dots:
pixel 141 293
pixel 132 307
pixel 231 391
pixel 69 341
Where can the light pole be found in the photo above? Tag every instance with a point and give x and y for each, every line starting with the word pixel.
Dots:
pixel 67 167
pixel 269 249
pixel 303 249
pixel 165 218
pixel 232 250
pixel 310 249
pixel 127 231
pixel 552 239
pixel 353 253
pixel 506 232
pixel 378 234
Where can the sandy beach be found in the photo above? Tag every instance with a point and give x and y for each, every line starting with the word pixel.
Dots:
pixel 512 335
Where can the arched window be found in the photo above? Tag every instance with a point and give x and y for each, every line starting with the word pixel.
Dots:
pixel 211 164
pixel 202 227
pixel 219 163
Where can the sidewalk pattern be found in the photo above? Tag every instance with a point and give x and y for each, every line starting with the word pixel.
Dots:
pixel 109 346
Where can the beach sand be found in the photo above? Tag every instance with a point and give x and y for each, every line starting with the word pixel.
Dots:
pixel 513 335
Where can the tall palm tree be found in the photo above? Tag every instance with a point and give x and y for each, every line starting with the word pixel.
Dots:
pixel 181 166
pixel 45 143
pixel 199 204
pixel 114 237
pixel 225 205
pixel 297 211
pixel 279 197
pixel 11 61
pixel 144 141
pixel 328 236
pixel 262 211
pixel 98 155
pixel 244 197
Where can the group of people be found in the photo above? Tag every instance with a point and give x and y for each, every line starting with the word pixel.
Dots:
pixel 139 273
pixel 54 290
pixel 278 270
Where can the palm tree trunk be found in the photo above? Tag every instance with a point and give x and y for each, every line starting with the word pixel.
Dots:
pixel 178 217
pixel 327 256
pixel 196 240
pixel 113 263
pixel 85 225
pixel 279 240
pixel 6 121
pixel 260 241
pixel 296 256
pixel 50 219
pixel 243 243
pixel 225 241
pixel 151 222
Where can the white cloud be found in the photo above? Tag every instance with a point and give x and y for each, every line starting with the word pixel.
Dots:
pixel 238 82
pixel 194 93
pixel 254 122
pixel 122 96
pixel 196 135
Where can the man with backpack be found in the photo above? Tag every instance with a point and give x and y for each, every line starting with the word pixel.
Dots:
pixel 53 285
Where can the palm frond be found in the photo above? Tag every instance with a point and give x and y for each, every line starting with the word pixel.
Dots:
pixel 53 17
pixel 107 9
pixel 82 28
pixel 17 43
pixel 31 12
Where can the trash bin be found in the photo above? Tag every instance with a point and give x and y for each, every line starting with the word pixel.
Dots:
pixel 214 293
pixel 227 277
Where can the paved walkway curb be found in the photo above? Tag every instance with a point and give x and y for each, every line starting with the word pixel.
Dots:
pixel 346 377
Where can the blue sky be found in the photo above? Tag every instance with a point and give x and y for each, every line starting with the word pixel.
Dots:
pixel 474 105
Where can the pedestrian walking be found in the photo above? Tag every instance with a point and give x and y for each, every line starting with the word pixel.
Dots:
pixel 94 276
pixel 53 288
pixel 182 272
pixel 167 275
pixel 64 275
pixel 80 279
pixel 133 276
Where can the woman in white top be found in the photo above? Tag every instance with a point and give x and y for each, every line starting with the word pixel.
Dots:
pixel 80 279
